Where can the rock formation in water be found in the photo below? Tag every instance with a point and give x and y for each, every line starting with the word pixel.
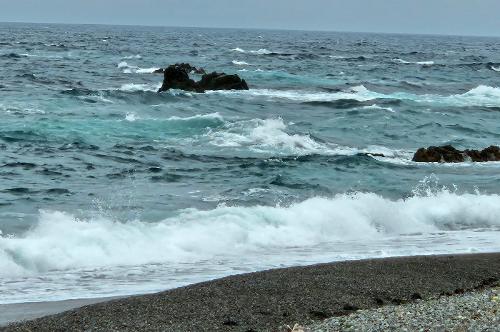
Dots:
pixel 448 154
pixel 177 77
pixel 186 67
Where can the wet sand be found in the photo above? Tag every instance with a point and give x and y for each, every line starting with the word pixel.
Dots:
pixel 263 301
pixel 25 311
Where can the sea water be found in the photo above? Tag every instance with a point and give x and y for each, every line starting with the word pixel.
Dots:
pixel 110 188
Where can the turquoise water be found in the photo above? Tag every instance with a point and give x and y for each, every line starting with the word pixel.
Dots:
pixel 108 187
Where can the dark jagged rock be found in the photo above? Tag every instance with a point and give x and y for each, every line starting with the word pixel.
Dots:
pixel 185 67
pixel 177 77
pixel 221 81
pixel 448 154
pixel 191 69
pixel 491 153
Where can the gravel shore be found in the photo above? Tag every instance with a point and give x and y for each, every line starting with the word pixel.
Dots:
pixel 265 301
pixel 472 311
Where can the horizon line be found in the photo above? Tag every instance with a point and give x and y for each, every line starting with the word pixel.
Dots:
pixel 258 28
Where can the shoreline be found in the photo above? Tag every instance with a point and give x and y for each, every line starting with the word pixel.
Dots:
pixel 15 312
pixel 263 301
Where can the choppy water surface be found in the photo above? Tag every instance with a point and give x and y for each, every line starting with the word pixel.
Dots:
pixel 107 187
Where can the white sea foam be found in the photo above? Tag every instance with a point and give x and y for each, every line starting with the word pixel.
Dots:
pixel 274 138
pixel 377 107
pixel 131 117
pixel 61 241
pixel 266 136
pixel 131 69
pixel 240 63
pixel 359 93
pixel 203 120
pixel 495 68
pixel 237 49
pixel 132 87
pixel 480 96
pixel 123 64
pixel 146 70
pixel 210 116
pixel 428 63
pixel 137 56
pixel 261 51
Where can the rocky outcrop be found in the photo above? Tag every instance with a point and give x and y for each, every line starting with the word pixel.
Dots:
pixel 177 77
pixel 186 67
pixel 222 81
pixel 448 154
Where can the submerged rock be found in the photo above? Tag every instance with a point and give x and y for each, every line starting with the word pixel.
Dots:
pixel 177 77
pixel 448 154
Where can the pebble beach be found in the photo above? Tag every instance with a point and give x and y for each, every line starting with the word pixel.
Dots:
pixel 472 311
pixel 456 293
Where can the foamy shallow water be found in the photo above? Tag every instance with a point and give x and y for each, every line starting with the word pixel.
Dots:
pixel 110 188
pixel 64 257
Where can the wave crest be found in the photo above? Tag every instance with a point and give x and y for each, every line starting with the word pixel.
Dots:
pixel 61 241
pixel 482 95
pixel 424 63
pixel 131 69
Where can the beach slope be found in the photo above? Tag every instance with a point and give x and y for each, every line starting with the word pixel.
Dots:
pixel 263 301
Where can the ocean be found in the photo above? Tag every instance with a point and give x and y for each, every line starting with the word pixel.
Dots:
pixel 110 188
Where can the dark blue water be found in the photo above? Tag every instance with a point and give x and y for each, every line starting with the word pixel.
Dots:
pixel 108 187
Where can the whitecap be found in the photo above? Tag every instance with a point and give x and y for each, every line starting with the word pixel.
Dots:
pixel 131 69
pixel 146 70
pixel 131 117
pixel 359 93
pixel 210 116
pixel 123 64
pixel 377 107
pixel 132 87
pixel 262 51
pixel 137 56
pixel 272 137
pixel 240 63
pixel 237 49
pixel 264 136
pixel 425 63
pixel 479 96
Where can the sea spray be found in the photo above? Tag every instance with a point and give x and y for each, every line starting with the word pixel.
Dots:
pixel 60 241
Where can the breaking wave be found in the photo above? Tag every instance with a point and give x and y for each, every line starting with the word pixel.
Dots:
pixel 273 137
pixel 261 51
pixel 240 63
pixel 132 87
pixel 264 136
pixel 130 69
pixel 137 56
pixel 61 241
pixel 425 63
pixel 479 96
